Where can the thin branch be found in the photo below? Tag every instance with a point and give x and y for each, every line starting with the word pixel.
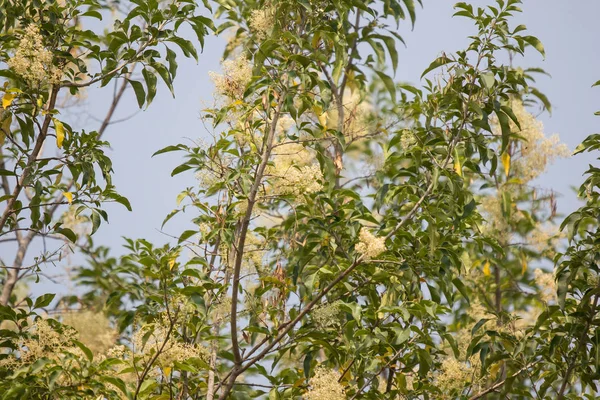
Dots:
pixel 498 385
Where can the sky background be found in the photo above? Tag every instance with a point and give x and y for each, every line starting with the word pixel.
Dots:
pixel 568 30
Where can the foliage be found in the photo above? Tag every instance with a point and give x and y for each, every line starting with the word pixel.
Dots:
pixel 353 237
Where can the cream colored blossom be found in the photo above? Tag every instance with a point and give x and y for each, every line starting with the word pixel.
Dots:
pixel 407 140
pixel 255 250
pixel 93 329
pixel 262 21
pixel 477 311
pixel 78 223
pixel 153 338
pixel 537 151
pixel 284 124
pixel 546 283
pixel 43 342
pixel 294 171
pixel 328 315
pixel 357 111
pixel 495 224
pixel 544 239
pixel 454 375
pixel 32 60
pixel 369 245
pixel 237 73
pixel 324 385
pixel 221 310
pixel 204 229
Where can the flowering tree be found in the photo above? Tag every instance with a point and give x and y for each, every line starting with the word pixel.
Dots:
pixel 353 237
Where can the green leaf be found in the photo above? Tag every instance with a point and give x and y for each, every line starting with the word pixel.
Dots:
pixel 93 14
pixel 505 127
pixel 186 47
pixel 390 43
pixel 95 222
pixel 186 235
pixel 488 79
pixel 120 199
pixel 536 43
pixel 86 351
pixel 306 364
pixel 438 62
pixel 170 148
pixel 69 234
pixel 140 94
pixel 169 216
pixel 151 81
pixel 461 288
pixel 542 97
pixel 172 63
pixel 389 84
pixel 5 172
pixel 180 169
pixel 44 300
pixel 164 74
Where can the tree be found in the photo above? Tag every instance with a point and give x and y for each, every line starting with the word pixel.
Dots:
pixel 348 228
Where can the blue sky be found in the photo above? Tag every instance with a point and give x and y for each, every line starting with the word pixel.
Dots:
pixel 569 31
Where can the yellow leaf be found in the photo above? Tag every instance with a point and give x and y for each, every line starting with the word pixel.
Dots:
pixel 458 168
pixel 494 369
pixel 523 265
pixel 5 126
pixel 457 165
pixel 167 371
pixel 321 116
pixel 60 132
pixel 486 269
pixel 68 196
pixel 505 158
pixel 171 263
pixel 7 99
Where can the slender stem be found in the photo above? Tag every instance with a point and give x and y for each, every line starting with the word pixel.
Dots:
pixel 267 147
pixel 31 160
pixel 498 385
pixel 13 275
pixel 582 342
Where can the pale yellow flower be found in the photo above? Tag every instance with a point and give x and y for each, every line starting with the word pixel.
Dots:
pixel 537 151
pixel 32 60
pixel 328 315
pixel 356 111
pixel 324 385
pixel 93 329
pixel 262 21
pixel 369 245
pixel 294 171
pixel 232 84
pixel 547 284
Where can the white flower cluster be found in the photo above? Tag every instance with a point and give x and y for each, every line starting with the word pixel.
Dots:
pixel 325 386
pixel 93 329
pixel 152 338
pixel 44 342
pixel 537 151
pixel 327 316
pixel 546 283
pixel 369 245
pixel 237 73
pixel 262 21
pixel 294 171
pixel 357 111
pixel 32 60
